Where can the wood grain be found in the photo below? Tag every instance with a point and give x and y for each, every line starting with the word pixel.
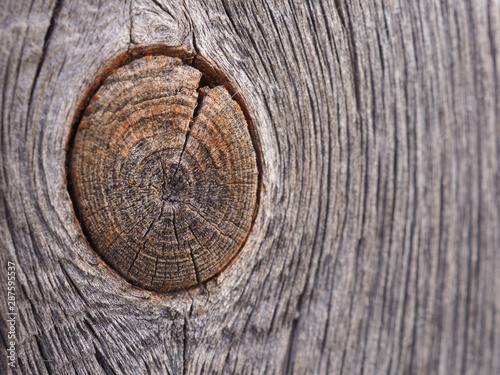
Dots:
pixel 376 245
pixel 163 174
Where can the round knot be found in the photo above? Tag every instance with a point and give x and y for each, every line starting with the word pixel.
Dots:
pixel 163 174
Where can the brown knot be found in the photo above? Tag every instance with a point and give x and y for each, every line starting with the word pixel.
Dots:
pixel 163 174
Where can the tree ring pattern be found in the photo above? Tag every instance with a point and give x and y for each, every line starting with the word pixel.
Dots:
pixel 163 174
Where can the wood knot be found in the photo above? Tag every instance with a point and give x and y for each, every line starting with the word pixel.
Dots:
pixel 163 174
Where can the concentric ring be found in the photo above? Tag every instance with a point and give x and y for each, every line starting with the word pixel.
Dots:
pixel 164 174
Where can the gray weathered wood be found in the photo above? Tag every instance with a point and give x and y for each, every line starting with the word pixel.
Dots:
pixel 376 249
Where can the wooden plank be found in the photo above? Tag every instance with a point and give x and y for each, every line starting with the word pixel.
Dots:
pixel 375 248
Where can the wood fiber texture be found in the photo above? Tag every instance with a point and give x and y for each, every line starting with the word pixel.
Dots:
pixel 375 249
pixel 164 176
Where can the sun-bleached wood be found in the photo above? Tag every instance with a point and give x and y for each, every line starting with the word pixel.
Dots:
pixel 376 245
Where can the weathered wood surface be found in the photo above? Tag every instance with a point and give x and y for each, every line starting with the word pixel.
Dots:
pixel 376 246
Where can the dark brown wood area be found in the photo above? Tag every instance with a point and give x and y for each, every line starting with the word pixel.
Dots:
pixel 163 174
